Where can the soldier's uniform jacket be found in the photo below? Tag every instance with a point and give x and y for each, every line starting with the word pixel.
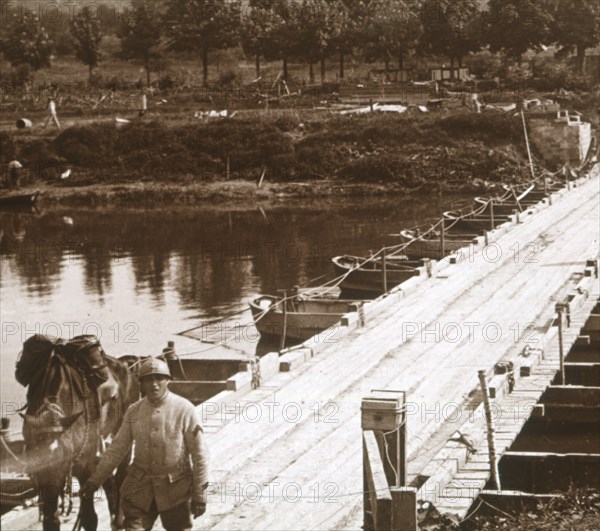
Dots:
pixel 168 439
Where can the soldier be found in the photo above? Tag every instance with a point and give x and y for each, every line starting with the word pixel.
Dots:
pixel 52 116
pixel 14 173
pixel 168 476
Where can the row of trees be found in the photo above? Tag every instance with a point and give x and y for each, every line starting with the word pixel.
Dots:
pixel 314 30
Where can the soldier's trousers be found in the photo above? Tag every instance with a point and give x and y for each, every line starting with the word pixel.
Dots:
pixel 178 518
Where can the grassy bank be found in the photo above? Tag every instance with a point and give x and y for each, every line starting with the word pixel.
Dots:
pixel 293 155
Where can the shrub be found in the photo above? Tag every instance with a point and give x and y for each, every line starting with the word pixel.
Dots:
pixel 227 78
pixel 382 167
pixel 500 128
pixel 286 123
pixel 18 76
pixel 165 82
pixel 39 156
pixel 91 145
pixel 485 65
pixel 8 149
pixel 518 75
pixel 548 73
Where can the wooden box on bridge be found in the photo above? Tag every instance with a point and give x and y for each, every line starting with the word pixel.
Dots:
pixel 382 410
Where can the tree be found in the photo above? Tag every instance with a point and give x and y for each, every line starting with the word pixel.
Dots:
pixel 355 16
pixel 257 29
pixel 202 26
pixel 516 26
pixel 577 25
pixel 284 39
pixel 85 30
pixel 392 30
pixel 140 34
pixel 321 23
pixel 25 41
pixel 451 28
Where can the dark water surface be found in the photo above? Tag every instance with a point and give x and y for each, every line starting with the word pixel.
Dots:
pixel 138 278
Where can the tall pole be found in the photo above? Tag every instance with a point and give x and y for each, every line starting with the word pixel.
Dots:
pixel 492 214
pixel 284 327
pixel 384 270
pixel 561 351
pixel 527 144
pixel 490 430
pixel 442 237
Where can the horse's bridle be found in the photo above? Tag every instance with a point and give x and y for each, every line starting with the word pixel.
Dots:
pixel 101 365
pixel 46 402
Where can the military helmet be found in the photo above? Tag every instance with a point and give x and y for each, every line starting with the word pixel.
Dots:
pixel 153 366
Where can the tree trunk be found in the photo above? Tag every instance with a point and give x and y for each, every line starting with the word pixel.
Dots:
pixel 387 63
pixel 460 58
pixel 311 73
pixel 581 58
pixel 91 68
pixel 285 68
pixel 452 68
pixel 322 70
pixel 341 65
pixel 205 67
pixel 401 63
pixel 257 65
pixel 147 66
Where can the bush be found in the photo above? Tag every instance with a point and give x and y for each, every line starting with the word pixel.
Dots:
pixel 165 82
pixel 39 156
pixel 518 75
pixel 287 123
pixel 227 78
pixel 485 65
pixel 382 167
pixel 91 145
pixel 8 149
pixel 18 76
pixel 549 73
pixel 114 83
pixel 499 128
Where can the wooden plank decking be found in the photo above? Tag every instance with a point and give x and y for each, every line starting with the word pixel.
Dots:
pixel 457 476
pixel 288 455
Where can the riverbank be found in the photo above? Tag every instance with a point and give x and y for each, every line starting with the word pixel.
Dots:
pixel 241 194
pixel 271 158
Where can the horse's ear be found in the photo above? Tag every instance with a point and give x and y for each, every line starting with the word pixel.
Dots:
pixel 67 421
pixel 22 415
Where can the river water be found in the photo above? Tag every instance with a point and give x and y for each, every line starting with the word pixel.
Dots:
pixel 137 278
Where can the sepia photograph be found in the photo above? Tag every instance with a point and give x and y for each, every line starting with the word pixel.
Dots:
pixel 296 265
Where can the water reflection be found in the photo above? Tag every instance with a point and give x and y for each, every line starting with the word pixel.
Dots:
pixel 148 274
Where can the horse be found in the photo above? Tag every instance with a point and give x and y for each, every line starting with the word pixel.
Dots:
pixel 76 399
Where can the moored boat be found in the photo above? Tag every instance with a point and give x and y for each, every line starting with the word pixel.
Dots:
pixel 19 200
pixel 304 317
pixel 535 192
pixel 508 203
pixel 16 487
pixel 429 245
pixel 365 275
pixel 472 222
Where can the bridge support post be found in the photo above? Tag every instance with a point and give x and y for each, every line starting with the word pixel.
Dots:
pixel 384 270
pixel 490 429
pixel 404 508
pixel 561 350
